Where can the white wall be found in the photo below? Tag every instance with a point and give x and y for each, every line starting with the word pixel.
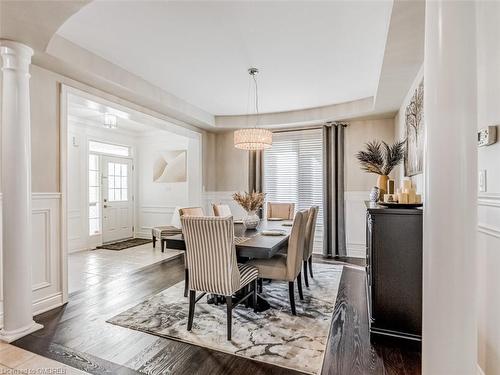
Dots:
pixel 157 201
pixel 488 77
pixel 80 132
pixel 154 202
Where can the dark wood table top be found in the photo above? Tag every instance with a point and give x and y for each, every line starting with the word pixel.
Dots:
pixel 256 246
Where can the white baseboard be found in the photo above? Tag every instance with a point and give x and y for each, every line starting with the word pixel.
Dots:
pixel 43 304
pixel 480 370
pixel 355 250
pixel 47 303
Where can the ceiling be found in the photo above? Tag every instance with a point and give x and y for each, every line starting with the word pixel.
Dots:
pixel 92 114
pixel 310 54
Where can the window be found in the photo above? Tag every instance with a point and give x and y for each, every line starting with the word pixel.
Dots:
pixel 94 192
pixel 107 148
pixel 117 182
pixel 293 172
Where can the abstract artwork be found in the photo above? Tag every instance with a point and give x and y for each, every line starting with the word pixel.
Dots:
pixel 170 166
pixel 415 128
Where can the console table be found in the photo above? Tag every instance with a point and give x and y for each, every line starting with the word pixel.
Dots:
pixel 394 271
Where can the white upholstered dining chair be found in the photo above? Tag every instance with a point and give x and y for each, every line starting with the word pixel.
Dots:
pixel 286 267
pixel 221 210
pixel 309 242
pixel 280 210
pixel 213 268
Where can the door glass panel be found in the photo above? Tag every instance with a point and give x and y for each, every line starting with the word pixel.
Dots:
pixel 117 182
pixel 94 195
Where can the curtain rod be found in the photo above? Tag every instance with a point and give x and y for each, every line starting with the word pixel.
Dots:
pixel 314 127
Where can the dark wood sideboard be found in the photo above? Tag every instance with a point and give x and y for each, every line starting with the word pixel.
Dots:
pixel 394 271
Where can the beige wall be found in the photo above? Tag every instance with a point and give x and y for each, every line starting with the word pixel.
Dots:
pixel 209 163
pixel 44 130
pixel 231 164
pixel 356 135
pixel 488 76
pixel 400 132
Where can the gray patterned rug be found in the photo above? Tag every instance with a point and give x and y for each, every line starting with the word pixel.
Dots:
pixel 122 245
pixel 274 336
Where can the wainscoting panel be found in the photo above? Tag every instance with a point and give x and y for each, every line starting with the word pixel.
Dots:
pixel 355 216
pixel 76 235
pixel 489 214
pixel 46 253
pixel 150 216
pixel 488 258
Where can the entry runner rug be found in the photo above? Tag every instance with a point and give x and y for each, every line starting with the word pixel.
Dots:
pixel 122 245
pixel 274 336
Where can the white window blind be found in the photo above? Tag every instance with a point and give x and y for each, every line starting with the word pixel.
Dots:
pixel 293 172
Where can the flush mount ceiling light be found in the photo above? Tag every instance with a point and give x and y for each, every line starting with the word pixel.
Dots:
pixel 253 138
pixel 109 121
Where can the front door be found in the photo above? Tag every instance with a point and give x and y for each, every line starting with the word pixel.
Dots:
pixel 118 205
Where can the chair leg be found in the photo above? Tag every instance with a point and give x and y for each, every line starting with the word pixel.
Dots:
pixel 186 282
pixel 311 266
pixel 163 245
pixel 299 285
pixel 259 281
pixel 254 295
pixel 229 304
pixel 154 242
pixel 245 292
pixel 292 297
pixel 192 302
pixel 306 281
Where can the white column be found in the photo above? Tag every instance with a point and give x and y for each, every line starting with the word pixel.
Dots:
pixel 450 210
pixel 16 192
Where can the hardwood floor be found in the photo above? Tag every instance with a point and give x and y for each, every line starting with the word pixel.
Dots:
pixel 77 334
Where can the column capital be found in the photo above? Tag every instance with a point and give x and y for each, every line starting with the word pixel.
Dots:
pixel 15 56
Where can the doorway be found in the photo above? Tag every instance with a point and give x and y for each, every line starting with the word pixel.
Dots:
pixel 108 157
pixel 117 207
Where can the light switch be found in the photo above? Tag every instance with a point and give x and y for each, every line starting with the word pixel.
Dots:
pixel 482 180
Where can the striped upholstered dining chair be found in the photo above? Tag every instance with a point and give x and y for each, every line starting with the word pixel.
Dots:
pixel 221 210
pixel 286 267
pixel 212 263
pixel 189 211
pixel 309 241
pixel 280 210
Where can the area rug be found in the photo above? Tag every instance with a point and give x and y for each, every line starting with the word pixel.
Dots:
pixel 122 245
pixel 274 336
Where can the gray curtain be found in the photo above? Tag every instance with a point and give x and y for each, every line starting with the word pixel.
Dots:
pixel 255 167
pixel 334 242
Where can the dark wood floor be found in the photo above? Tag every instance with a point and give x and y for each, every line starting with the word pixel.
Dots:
pixel 77 334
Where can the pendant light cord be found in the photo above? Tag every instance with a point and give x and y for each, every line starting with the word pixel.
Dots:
pixel 256 94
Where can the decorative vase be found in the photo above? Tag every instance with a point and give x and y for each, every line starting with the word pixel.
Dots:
pixel 374 194
pixel 382 184
pixel 252 220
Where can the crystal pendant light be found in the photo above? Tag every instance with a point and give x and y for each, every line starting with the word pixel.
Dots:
pixel 253 138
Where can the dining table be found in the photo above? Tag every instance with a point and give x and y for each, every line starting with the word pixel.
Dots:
pixel 249 244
